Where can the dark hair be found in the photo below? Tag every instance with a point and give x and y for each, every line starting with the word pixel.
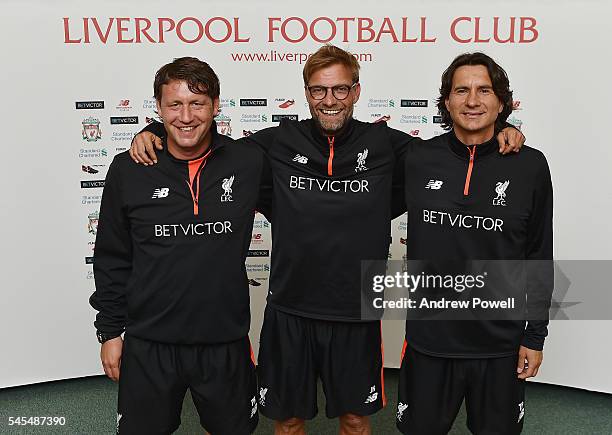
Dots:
pixel 329 55
pixel 499 79
pixel 199 76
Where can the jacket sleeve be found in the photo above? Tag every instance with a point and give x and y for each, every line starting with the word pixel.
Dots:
pixel 264 140
pixel 540 267
pixel 157 128
pixel 402 143
pixel 112 258
pixel 264 201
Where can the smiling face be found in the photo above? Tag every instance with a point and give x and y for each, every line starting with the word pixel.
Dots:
pixel 330 114
pixel 187 117
pixel 472 104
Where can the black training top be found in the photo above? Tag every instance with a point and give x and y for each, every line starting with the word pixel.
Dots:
pixel 331 209
pixel 472 203
pixel 171 244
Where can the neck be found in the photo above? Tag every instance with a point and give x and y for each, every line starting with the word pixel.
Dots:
pixel 191 153
pixel 474 137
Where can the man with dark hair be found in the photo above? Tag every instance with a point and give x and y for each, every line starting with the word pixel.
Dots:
pixel 169 267
pixel 492 215
pixel 333 176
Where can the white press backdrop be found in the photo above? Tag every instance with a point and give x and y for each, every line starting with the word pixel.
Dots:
pixel 54 56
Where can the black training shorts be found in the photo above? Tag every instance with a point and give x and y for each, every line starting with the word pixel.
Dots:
pixel 431 390
pixel 295 351
pixel 155 377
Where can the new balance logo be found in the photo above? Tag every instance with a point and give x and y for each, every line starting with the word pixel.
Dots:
pixel 373 395
pixel 401 407
pixel 162 192
pixel 521 411
pixel 434 184
pixel 300 159
pixel 262 396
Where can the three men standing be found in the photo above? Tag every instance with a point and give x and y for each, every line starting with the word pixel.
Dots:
pixel 343 182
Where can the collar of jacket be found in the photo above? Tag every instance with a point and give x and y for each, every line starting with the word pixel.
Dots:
pixel 216 141
pixel 339 139
pixel 482 150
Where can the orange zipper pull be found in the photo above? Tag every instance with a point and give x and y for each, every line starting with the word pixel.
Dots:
pixel 330 160
pixel 466 188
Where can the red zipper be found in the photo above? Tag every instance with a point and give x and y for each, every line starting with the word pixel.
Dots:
pixel 466 188
pixel 330 160
pixel 195 168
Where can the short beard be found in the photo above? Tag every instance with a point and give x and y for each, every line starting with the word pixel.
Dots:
pixel 331 130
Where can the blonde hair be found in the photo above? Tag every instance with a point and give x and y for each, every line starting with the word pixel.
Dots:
pixel 329 55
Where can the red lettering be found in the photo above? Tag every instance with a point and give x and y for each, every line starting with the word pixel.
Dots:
pixel 368 28
pixel 386 27
pixel 271 27
pixel 531 28
pixel 143 31
pixel 103 37
pixel 160 22
pixel 477 31
pixel 237 36
pixel 304 29
pixel 424 31
pixel 121 30
pixel 67 39
pixel 345 28
pixel 496 31
pixel 179 30
pixel 313 33
pixel 228 27
pixel 405 31
pixel 454 33
pixel 86 30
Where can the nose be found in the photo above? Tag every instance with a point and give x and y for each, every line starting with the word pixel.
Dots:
pixel 472 98
pixel 329 99
pixel 185 115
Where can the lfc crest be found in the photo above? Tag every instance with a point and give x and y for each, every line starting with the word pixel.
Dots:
pixel 92 226
pixel 91 129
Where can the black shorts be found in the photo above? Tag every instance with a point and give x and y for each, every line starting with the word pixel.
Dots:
pixel 294 351
pixel 431 390
pixel 155 377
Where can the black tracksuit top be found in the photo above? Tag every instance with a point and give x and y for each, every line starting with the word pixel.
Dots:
pixel 456 212
pixel 331 209
pixel 171 245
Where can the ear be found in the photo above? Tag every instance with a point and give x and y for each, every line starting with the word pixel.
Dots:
pixel 501 107
pixel 158 106
pixel 446 104
pixel 216 106
pixel 357 92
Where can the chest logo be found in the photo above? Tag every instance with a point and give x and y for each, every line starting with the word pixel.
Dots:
pixel 361 161
pixel 227 189
pixel 434 184
pixel 162 192
pixel 300 159
pixel 500 189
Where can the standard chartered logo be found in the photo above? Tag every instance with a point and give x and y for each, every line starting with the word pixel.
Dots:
pixel 337 186
pixel 462 220
pixel 188 230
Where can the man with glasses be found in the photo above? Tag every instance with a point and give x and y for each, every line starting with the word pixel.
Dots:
pixel 333 178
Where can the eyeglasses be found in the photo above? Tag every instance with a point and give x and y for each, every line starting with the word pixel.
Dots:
pixel 340 92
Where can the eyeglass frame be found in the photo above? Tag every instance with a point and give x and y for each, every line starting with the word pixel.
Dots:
pixel 327 88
